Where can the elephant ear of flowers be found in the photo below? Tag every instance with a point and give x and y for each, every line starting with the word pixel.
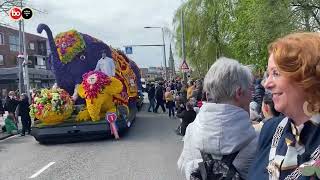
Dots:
pixel 93 83
pixel 69 44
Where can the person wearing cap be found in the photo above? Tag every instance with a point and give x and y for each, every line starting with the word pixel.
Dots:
pixel 106 65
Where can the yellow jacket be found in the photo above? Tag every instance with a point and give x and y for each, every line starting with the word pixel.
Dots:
pixel 189 92
pixel 169 96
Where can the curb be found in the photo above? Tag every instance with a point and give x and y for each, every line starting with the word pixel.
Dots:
pixel 5 136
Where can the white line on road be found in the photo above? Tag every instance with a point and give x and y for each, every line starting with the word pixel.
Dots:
pixel 41 170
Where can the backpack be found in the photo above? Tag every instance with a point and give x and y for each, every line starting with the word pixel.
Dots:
pixel 214 169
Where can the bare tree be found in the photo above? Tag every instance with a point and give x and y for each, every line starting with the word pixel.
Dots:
pixel 6 5
pixel 308 11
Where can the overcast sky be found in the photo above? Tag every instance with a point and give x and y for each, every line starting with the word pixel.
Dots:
pixel 116 22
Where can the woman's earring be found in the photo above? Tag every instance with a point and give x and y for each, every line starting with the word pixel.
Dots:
pixel 309 110
pixel 306 109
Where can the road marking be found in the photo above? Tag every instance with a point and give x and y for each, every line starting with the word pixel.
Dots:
pixel 41 170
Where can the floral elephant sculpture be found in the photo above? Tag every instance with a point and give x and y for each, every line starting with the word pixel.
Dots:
pixel 74 53
pixel 98 90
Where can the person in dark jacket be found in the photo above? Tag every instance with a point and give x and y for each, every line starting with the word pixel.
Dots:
pixel 24 113
pixel 183 93
pixel 188 116
pixel 180 105
pixel 11 104
pixel 179 86
pixel 160 98
pixel 1 108
pixel 258 93
pixel 151 95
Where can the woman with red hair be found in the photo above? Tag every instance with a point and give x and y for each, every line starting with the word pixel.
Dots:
pixel 289 146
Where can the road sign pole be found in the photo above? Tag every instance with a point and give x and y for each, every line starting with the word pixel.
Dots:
pixel 183 44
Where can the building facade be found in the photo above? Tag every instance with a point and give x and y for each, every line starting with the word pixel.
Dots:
pixel 40 74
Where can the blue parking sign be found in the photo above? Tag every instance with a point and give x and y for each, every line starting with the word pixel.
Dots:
pixel 128 49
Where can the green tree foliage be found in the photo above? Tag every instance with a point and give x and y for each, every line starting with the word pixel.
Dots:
pixel 240 29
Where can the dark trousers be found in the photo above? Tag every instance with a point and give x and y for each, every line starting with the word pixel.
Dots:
pixel 160 103
pixel 151 105
pixel 26 125
pixel 170 106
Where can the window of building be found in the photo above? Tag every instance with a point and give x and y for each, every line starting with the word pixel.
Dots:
pixel 1 39
pixel 1 60
pixel 31 46
pixel 14 43
pixel 42 48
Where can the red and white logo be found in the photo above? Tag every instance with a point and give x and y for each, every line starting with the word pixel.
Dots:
pixel 15 13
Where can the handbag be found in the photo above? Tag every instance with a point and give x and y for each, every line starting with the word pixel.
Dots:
pixel 215 169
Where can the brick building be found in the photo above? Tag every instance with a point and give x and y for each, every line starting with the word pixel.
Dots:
pixel 40 74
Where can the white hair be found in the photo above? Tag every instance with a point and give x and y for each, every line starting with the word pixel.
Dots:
pixel 224 77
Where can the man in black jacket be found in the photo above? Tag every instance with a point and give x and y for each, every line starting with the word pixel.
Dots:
pixel 24 113
pixel 151 94
pixel 160 98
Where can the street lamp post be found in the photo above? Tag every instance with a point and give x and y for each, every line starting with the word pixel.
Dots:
pixel 183 43
pixel 164 50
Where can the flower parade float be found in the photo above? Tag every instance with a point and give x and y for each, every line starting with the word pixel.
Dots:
pixel 86 104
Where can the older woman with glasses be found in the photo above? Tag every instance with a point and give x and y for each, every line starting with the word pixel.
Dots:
pixel 289 147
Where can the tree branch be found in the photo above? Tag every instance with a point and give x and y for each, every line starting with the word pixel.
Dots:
pixel 315 18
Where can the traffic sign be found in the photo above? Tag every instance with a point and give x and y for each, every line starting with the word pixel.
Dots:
pixel 128 49
pixel 184 66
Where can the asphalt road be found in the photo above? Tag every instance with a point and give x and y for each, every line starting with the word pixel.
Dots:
pixel 149 151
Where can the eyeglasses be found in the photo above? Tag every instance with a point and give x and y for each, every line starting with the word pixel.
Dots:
pixel 274 74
